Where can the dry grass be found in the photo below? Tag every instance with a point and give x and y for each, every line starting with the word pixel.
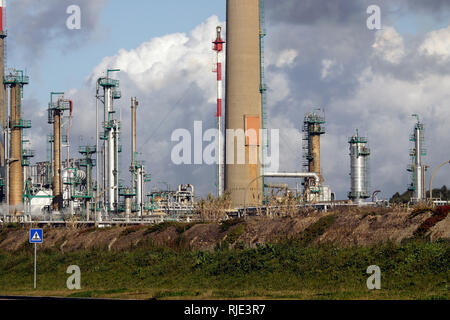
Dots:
pixel 213 208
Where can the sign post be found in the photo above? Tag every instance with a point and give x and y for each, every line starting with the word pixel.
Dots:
pixel 36 236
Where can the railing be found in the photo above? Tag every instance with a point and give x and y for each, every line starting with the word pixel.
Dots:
pixel 117 94
pixel 16 78
pixel 27 153
pixel 87 149
pixel 22 123
pixel 108 82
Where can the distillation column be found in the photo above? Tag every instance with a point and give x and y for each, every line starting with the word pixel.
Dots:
pixel 417 167
pixel 136 168
pixel 313 128
pixel 111 147
pixel 55 113
pixel 89 163
pixel 134 105
pixel 57 194
pixel 243 103
pixel 359 174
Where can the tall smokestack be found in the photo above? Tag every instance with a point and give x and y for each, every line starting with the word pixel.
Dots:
pixel 15 169
pixel 3 104
pixel 16 80
pixel 243 102
pixel 218 47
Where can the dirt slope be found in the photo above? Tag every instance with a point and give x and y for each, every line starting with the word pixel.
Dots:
pixel 344 229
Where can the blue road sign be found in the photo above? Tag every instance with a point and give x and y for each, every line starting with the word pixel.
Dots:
pixel 36 236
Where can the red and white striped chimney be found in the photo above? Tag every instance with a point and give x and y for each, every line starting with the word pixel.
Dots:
pixel 2 8
pixel 218 47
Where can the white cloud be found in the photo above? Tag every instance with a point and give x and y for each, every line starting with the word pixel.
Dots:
pixel 437 43
pixel 172 78
pixel 330 68
pixel 389 45
pixel 286 58
pixel 278 84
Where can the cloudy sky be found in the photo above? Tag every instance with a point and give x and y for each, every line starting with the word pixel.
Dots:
pixel 319 53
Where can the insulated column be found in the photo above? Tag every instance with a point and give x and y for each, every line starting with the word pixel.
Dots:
pixel 15 168
pixel 57 195
pixel 243 103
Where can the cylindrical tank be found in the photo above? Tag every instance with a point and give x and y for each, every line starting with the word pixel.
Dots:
pixel 243 101
pixel 128 202
pixel 359 154
pixel 15 168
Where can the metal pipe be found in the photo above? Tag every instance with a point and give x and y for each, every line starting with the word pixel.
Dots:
pixel 293 175
pixel 281 175
pixel 432 177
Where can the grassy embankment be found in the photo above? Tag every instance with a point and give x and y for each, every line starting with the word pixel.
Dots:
pixel 416 269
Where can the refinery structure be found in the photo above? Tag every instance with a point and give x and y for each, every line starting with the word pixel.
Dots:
pixel 417 168
pixel 89 187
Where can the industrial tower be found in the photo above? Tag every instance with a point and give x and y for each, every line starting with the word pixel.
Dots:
pixel 137 169
pixel 218 47
pixel 14 150
pixel 359 165
pixel 243 112
pixel 111 146
pixel 313 128
pixel 55 113
pixel 88 163
pixel 416 168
